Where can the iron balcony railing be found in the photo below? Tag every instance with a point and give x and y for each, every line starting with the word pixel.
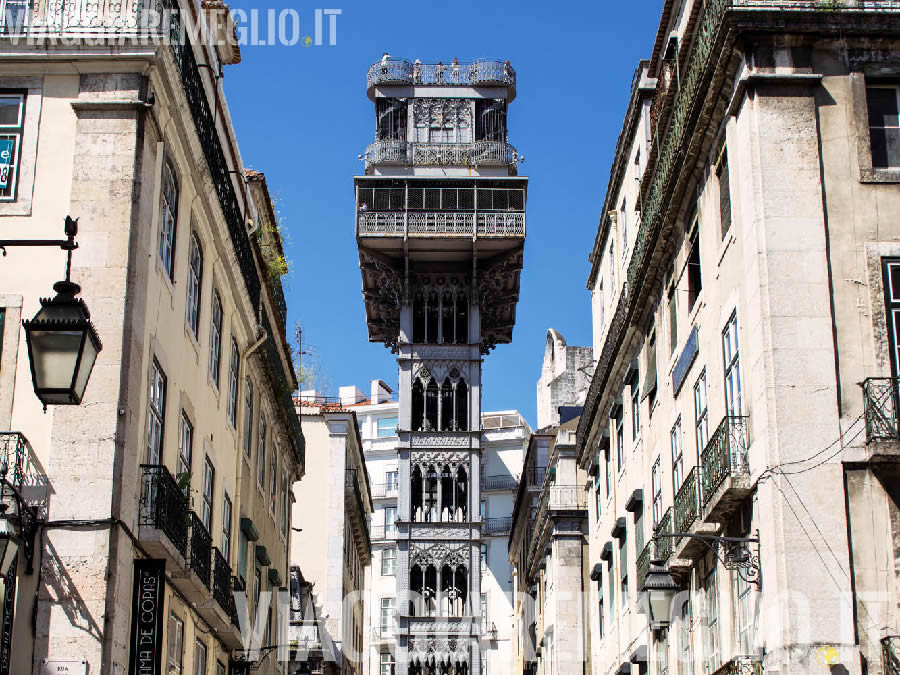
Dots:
pixel 441 223
pixel 14 452
pixel 880 396
pixel 687 505
pixel 70 18
pixel 499 483
pixel 664 544
pixel 741 665
pixel 221 588
pixel 385 490
pixel 534 476
pixel 725 455
pixel 201 550
pixel 163 505
pixel 478 73
pixel 820 5
pixel 303 636
pixel 477 153
pixel 495 526
pixel 643 566
pixel 890 655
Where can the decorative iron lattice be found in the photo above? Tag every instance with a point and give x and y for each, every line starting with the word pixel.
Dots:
pixel 890 654
pixel 479 153
pixel 477 73
pixel 664 544
pixel 882 402
pixel 439 554
pixel 687 506
pixel 163 505
pixel 201 550
pixel 725 454
pixel 221 587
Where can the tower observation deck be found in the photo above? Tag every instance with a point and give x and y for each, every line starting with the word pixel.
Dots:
pixel 440 227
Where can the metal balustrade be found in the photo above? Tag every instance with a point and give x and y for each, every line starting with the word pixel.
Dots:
pixel 499 483
pixel 880 396
pixel 441 223
pixel 163 505
pixel 201 550
pixel 14 453
pixel 741 665
pixel 643 566
pixel 478 153
pixel 221 588
pixel 478 73
pixel 687 505
pixel 725 454
pixel 664 544
pixel 890 655
pixel 495 526
pixel 71 18
pixel 382 490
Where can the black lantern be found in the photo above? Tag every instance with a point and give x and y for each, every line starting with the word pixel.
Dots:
pixel 659 592
pixel 62 342
pixel 9 543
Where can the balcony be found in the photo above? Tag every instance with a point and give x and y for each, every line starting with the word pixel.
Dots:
pixel 664 544
pixel 163 522
pixel 201 550
pixel 385 490
pixel 476 154
pixel 726 470
pixel 440 224
pixel 890 655
pixel 304 637
pixel 741 665
pixel 382 533
pixel 686 520
pixel 643 566
pixel 481 73
pixel 491 483
pixel 881 399
pixel 81 19
pixel 221 614
pixel 495 527
pixel 14 451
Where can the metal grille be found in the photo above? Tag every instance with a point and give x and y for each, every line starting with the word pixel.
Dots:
pixel 664 544
pixel 725 454
pixel 497 526
pixel 687 506
pixel 14 452
pixel 881 405
pixel 201 550
pixel 402 71
pixel 163 505
pixel 221 589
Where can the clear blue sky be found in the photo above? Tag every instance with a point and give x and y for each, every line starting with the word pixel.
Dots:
pixel 302 117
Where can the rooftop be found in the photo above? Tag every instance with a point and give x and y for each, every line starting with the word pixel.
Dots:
pixel 391 71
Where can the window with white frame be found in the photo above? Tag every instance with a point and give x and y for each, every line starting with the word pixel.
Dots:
pixel 284 503
pixel 194 280
pixel 12 122
pixel 722 174
pixel 620 438
pixel 733 403
pixel 185 451
pixel 386 427
pixel 168 216
pixel 685 664
pixel 484 611
pixel 701 413
pixel 226 527
pixel 612 268
pixel 891 281
pixel 273 480
pixel 248 418
pixel 387 664
pixel 661 652
pixel 215 339
pixel 209 481
pixel 389 562
pixel 746 615
pixel 600 608
pixel 175 650
pixel 677 457
pixel 391 480
pixel 156 413
pixel 712 654
pixel 390 515
pixel 261 452
pixel 672 310
pixel 233 371
pixel 656 487
pixel 884 124
pixel 199 658
pixel 624 210
pixel 635 408
pixel 387 615
pixel 623 569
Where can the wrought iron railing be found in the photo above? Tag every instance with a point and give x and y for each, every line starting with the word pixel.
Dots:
pixel 499 482
pixel 643 566
pixel 14 452
pixel 890 655
pixel 381 490
pixel 70 18
pixel 201 550
pixel 382 532
pixel 820 5
pixel 725 454
pixel 163 505
pixel 687 505
pixel 881 396
pixel 741 665
pixel 441 223
pixel 478 153
pixel 534 476
pixel 494 526
pixel 664 544
pixel 221 587
pixel 477 73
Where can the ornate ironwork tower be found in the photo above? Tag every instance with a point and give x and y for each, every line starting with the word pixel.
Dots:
pixel 440 224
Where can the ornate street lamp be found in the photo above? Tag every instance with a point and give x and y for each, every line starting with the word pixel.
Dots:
pixel 62 342
pixel 9 542
pixel 659 592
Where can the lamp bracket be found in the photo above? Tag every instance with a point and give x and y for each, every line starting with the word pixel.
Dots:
pixel 740 554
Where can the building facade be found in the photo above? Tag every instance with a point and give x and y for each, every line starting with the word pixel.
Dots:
pixel 440 226
pixel 332 549
pixel 741 282
pixel 565 378
pixel 168 488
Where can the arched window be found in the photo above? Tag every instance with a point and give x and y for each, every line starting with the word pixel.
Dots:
pixel 415 494
pixel 195 278
pixel 447 325
pixel 429 594
pixel 432 318
pixel 461 335
pixel 462 495
pixel 461 583
pixel 215 339
pixel 417 586
pixel 431 406
pixel 447 493
pixel 447 422
pixel 430 501
pixel 418 317
pixel 448 592
pixel 462 405
pixel 418 405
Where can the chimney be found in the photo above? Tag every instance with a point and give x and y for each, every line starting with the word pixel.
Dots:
pixel 381 393
pixel 350 395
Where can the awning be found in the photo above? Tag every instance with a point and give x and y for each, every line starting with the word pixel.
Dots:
pixel 634 501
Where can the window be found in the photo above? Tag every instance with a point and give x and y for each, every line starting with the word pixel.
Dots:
pixel 598 497
pixel 388 665
pixel 661 652
pixel 175 652
pixel 611 577
pixel 635 408
pixel 684 625
pixel 484 613
pixel 261 453
pixel 620 439
pixel 612 268
pixel 623 569
pixel 673 313
pixel 650 378
pixel 185 448
pixel 284 503
pixel 390 515
pixel 209 478
pixel 195 276
pixel 199 658
pixel 220 668
pixel 389 562
pixel 257 579
pixel 226 528
pixel 711 623
pixel 242 555
pixel 233 384
pixel 694 278
pixel 701 412
pixel 273 481
pixel 722 175
pixel 12 121
pixel 387 615
pixel 733 404
pixel 624 227
pixel 168 217
pixel 248 418
pixel 609 471
pixel 156 414
pixel 215 339
pixel 391 480
pixel 387 426
pixel 677 457
pixel 483 557
pixel 600 608
pixel 639 530
pixel 601 307
pixel 656 487
pixel 884 125
pixel 746 619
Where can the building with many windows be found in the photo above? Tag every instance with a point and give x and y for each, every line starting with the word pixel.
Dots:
pixel 160 504
pixel 741 424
